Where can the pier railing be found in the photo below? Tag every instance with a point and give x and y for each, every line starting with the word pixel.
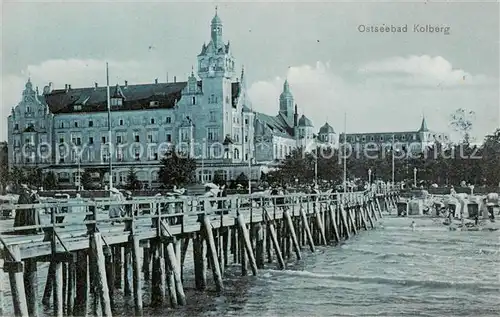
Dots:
pixel 78 235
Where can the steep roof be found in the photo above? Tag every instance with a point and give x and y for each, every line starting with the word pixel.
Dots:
pixel 273 123
pixel 326 129
pixel 423 126
pixel 136 97
pixel 305 122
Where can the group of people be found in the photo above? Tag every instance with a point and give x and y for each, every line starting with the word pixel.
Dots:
pixel 30 216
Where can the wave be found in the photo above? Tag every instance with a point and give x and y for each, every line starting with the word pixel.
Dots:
pixel 388 255
pixel 403 282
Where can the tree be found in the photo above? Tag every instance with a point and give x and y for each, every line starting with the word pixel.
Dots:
pixel 4 177
pixel 219 178
pixel 133 182
pixel 86 179
pixel 462 121
pixel 242 179
pixel 177 169
pixel 50 181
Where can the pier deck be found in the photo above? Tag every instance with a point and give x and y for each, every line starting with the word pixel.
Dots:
pixel 243 226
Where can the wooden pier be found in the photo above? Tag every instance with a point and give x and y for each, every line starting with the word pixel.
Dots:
pixel 88 254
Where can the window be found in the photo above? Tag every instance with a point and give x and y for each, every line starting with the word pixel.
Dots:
pixel 61 139
pixel 168 120
pixel 169 137
pixel 119 154
pixel 28 109
pixel 137 155
pixel 136 137
pixel 103 139
pixel 91 124
pixel 246 138
pixel 246 121
pixel 150 138
pixel 184 134
pixel 212 134
pixel 212 116
pixel 154 103
pixel 363 138
pixel 193 101
pixel 152 120
pixel 236 154
pixel 403 137
pixel 76 124
pixel 381 138
pixel 61 125
pixel 372 138
pixel 91 140
pixel 77 107
pixel 78 141
pixel 118 139
pixel 121 121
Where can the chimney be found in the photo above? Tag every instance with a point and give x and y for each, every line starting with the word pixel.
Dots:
pixel 126 83
pixel 95 85
pixel 69 87
pixel 175 79
pixel 156 81
pixel 66 87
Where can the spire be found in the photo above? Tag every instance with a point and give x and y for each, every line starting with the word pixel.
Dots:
pixel 242 78
pixel 217 30
pixel 423 126
pixel 192 71
pixel 286 86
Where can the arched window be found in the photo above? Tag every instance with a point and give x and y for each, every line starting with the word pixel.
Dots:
pixel 236 154
pixel 194 100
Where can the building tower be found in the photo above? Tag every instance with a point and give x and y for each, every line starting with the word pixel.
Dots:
pixel 286 103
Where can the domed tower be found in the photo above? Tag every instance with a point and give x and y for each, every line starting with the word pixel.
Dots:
pixel 305 129
pixel 286 102
pixel 327 135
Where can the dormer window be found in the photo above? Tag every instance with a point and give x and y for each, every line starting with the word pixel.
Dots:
pixel 77 107
pixel 154 103
pixel 116 101
pixel 152 120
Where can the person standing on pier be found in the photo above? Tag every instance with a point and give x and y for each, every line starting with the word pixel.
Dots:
pixel 27 217
pixel 115 211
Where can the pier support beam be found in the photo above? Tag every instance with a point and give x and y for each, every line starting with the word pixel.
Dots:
pixel 214 262
pixel 158 274
pixel 291 230
pixel 260 245
pixel 101 278
pixel 15 269
pixel 31 286
pixel 276 246
pixel 200 267
pixel 247 243
pixel 174 264
pixel 305 225
pixel 82 283
pixel 136 268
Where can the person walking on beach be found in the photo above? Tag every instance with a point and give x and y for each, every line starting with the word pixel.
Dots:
pixel 413 225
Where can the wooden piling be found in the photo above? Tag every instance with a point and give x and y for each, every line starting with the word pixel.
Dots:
pixel 110 274
pixel 307 230
pixel 333 221
pixel 70 301
pixel 200 276
pixel 344 221
pixel 64 282
pixel 118 263
pixel 212 252
pixel 291 230
pixel 2 284
pixel 82 283
pixel 101 278
pixel 277 250
pixel 247 243
pixel 146 262
pixel 127 271
pixel 47 293
pixel 58 289
pixel 31 286
pixel 321 229
pixel 174 263
pixel 169 271
pixel 15 269
pixel 259 246
pixel 136 270
pixel 158 274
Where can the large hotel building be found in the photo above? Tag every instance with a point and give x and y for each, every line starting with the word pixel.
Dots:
pixel 209 116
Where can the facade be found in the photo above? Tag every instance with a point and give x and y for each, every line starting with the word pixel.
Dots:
pixel 208 117
pixel 413 141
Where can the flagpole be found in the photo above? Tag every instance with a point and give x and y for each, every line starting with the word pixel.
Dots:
pixel 249 152
pixel 393 149
pixel 345 154
pixel 109 129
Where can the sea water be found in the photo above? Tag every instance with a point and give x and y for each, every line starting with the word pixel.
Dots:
pixel 389 271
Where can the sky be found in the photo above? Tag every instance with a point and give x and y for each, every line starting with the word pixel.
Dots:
pixel 382 82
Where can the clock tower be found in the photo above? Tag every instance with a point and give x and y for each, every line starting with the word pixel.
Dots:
pixel 216 71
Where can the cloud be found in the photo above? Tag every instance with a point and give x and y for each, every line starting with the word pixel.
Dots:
pixel 422 70
pixel 393 97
